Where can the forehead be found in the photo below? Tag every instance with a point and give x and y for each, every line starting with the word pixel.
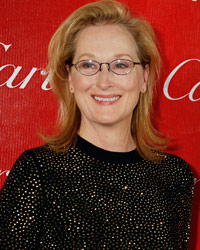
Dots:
pixel 105 40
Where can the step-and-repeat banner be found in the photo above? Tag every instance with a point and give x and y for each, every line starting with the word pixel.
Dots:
pixel 28 107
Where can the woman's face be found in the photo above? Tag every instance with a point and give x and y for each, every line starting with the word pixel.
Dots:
pixel 106 98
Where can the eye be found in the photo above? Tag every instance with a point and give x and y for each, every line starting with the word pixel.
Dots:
pixel 120 64
pixel 87 65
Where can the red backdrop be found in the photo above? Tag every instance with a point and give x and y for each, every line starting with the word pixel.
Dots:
pixel 28 107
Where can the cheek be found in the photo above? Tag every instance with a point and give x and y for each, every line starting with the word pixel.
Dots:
pixel 74 82
pixel 133 91
pixel 131 85
pixel 79 83
pixel 136 83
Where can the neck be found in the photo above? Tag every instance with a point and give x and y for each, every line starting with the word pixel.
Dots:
pixel 112 138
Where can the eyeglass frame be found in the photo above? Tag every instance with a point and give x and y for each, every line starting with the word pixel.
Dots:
pixel 108 64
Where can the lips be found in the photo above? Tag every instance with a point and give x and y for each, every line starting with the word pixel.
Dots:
pixel 106 99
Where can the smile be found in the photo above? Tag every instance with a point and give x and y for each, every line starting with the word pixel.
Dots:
pixel 106 99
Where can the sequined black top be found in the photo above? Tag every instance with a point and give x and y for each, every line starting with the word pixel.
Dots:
pixel 89 198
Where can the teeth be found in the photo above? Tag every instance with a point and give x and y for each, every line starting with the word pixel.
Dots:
pixel 101 99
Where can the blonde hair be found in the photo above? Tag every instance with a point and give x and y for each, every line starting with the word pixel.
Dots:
pixel 62 48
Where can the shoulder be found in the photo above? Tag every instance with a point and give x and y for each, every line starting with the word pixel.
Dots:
pixel 41 151
pixel 32 163
pixel 176 163
pixel 35 168
pixel 177 169
pixel 29 157
pixel 37 155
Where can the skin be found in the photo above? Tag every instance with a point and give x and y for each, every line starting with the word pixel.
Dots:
pixel 106 124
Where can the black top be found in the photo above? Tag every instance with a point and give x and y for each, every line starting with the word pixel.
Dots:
pixel 90 198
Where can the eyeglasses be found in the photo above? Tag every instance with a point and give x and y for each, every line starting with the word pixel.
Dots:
pixel 118 67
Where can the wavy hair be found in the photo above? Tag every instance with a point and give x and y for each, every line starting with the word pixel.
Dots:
pixel 150 143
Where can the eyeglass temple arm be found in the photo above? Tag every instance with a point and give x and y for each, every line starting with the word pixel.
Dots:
pixel 140 63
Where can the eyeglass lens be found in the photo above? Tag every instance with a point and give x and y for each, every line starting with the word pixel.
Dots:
pixel 119 66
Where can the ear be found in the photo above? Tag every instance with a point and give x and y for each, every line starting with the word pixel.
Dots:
pixel 71 88
pixel 145 79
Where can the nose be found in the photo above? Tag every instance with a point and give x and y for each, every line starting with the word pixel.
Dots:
pixel 108 66
pixel 104 77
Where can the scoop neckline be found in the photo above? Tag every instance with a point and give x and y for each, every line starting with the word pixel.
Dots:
pixel 105 155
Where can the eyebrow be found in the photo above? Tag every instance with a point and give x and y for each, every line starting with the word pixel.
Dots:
pixel 86 55
pixel 117 56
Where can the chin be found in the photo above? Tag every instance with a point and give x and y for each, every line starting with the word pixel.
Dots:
pixel 107 121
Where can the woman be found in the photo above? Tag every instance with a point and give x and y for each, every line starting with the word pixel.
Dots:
pixel 103 182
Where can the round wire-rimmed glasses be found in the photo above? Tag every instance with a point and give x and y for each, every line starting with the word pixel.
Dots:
pixel 92 67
